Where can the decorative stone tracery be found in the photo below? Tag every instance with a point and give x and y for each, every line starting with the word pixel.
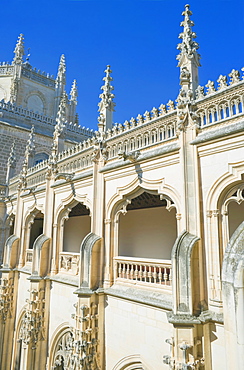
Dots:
pixel 32 326
pixel 77 349
pixel 6 298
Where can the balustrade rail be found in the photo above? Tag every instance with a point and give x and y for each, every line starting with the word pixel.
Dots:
pixel 224 103
pixel 143 271
pixel 69 263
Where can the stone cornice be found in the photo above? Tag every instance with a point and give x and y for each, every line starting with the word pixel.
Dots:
pixel 155 299
pixel 219 133
pixel 143 156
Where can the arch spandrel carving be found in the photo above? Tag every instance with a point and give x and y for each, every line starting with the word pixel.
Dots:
pixel 31 213
pixel 227 180
pixel 138 186
pixel 68 203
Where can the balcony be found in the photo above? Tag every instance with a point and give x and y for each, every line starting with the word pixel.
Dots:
pixel 145 272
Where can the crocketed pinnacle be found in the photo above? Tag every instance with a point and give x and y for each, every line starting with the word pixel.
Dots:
pixel 61 116
pixel 30 147
pixel 61 76
pixel 74 92
pixel 19 50
pixel 12 156
pixel 107 95
pixel 188 47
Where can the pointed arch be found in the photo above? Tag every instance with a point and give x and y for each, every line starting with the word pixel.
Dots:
pixel 56 350
pixel 136 187
pixel 69 202
pixel 119 203
pixel 132 362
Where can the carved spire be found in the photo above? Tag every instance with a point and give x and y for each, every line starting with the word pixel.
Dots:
pixel 11 164
pixel 61 116
pixel 61 120
pixel 28 159
pixel 61 76
pixel 106 105
pixel 19 50
pixel 73 102
pixel 189 59
pixel 60 84
pixel 30 147
pixel 74 92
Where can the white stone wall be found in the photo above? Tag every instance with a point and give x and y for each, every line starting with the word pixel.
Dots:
pixel 132 329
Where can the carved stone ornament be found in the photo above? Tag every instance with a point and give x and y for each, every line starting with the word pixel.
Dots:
pixel 185 363
pixel 12 156
pixel 99 146
pixel 200 92
pixel 222 81
pixel 65 176
pixel 184 75
pixel 32 327
pixel 188 47
pixel 210 87
pixel 107 96
pixel 77 349
pixel 52 167
pixel 19 50
pixel 6 298
pixel 234 77
pixel 131 156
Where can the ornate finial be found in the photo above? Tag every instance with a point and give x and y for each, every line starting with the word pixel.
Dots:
pixel 22 176
pixel 74 92
pixel 107 96
pixel 52 161
pixel 19 50
pixel 234 77
pixel 30 147
pixel 12 156
pixel 61 76
pixel 28 159
pixel 222 81
pixel 188 57
pixel 188 46
pixel 61 117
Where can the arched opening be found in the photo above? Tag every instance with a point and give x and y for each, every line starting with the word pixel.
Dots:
pixel 36 229
pixel 236 216
pixel 232 210
pixel 144 237
pixel 76 228
pixel 148 229
pixel 35 103
pixel 39 157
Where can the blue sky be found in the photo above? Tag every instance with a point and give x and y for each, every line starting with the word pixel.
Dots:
pixel 137 38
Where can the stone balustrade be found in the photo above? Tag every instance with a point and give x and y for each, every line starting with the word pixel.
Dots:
pixel 153 132
pixel 143 271
pixel 69 263
pixel 18 111
pixel 6 69
pixel 223 103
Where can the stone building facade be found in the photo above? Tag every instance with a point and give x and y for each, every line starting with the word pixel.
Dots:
pixel 125 251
